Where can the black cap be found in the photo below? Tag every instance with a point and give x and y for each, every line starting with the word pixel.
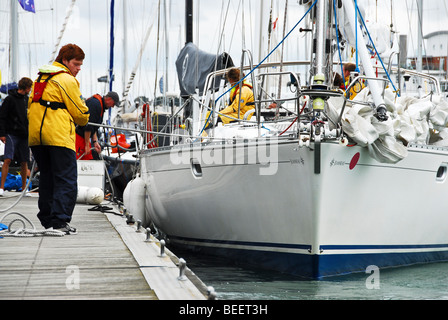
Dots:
pixel 113 95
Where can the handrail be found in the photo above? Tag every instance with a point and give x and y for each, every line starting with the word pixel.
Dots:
pixel 401 71
pixel 222 72
pixel 421 75
pixel 351 85
pixel 280 73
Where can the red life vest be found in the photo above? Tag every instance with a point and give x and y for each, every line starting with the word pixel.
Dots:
pixel 100 99
pixel 39 87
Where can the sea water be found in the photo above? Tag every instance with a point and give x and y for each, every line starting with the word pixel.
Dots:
pixel 241 282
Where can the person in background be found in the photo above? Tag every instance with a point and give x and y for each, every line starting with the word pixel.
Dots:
pixel 338 82
pixel 348 68
pixel 14 131
pixel 55 106
pixel 87 136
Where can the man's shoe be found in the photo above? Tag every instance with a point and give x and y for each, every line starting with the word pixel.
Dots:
pixel 67 230
pixel 2 192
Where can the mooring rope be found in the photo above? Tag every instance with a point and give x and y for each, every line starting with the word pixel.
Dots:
pixel 26 232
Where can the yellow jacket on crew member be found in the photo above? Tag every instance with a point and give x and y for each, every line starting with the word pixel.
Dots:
pixel 247 96
pixel 357 88
pixel 56 126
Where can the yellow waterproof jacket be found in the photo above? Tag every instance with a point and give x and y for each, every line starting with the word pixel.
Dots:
pixel 51 126
pixel 232 111
pixel 357 88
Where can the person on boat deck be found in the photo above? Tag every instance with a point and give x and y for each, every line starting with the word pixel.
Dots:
pixel 338 82
pixel 87 136
pixel 247 96
pixel 348 68
pixel 14 130
pixel 55 106
pixel 236 100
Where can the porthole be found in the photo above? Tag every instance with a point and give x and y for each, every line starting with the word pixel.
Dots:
pixel 196 168
pixel 442 173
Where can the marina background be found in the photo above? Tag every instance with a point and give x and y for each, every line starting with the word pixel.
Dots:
pixel 227 25
pixel 233 282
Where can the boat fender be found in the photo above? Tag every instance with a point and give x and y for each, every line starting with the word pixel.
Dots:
pixel 343 141
pixel 89 195
pixel 134 199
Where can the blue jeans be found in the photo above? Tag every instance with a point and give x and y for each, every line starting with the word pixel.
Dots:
pixel 58 185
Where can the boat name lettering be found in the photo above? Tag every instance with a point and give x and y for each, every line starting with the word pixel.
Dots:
pixel 298 161
pixel 335 163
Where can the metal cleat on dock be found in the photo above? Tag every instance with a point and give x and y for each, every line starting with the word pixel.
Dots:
pixel 162 248
pixel 211 294
pixel 130 220
pixel 182 268
pixel 139 225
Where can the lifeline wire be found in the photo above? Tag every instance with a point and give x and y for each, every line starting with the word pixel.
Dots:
pixel 270 53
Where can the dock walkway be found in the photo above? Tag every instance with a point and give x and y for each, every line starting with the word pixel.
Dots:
pixel 107 260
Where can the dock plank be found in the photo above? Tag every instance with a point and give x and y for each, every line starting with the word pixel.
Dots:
pixel 95 264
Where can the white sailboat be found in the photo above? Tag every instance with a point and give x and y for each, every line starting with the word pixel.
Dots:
pixel 332 187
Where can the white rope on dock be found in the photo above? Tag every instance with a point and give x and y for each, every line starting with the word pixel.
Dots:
pixel 26 232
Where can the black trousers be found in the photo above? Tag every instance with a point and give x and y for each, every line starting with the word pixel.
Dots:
pixel 58 184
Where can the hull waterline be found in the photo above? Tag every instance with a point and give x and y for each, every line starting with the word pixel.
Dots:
pixel 264 204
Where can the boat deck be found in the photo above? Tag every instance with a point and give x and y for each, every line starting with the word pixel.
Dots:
pixel 107 259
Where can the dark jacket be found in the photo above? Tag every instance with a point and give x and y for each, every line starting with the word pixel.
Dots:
pixel 13 115
pixel 96 110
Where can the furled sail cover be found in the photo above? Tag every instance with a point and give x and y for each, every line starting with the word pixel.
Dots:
pixel 193 65
pixel 411 121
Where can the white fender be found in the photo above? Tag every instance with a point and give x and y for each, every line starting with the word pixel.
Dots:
pixel 89 195
pixel 134 200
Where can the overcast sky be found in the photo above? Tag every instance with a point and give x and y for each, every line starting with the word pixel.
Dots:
pixel 90 22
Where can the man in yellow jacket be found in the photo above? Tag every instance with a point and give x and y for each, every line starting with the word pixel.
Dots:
pixel 55 108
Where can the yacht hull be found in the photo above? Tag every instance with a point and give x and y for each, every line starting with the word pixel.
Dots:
pixel 266 204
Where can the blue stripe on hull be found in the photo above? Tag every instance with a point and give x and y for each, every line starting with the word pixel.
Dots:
pixel 337 264
pixel 319 266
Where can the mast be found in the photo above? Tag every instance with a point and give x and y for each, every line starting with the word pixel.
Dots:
pixel 419 65
pixel 321 38
pixel 125 45
pixel 320 79
pixel 112 42
pixel 189 20
pixel 14 53
pixel 167 48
